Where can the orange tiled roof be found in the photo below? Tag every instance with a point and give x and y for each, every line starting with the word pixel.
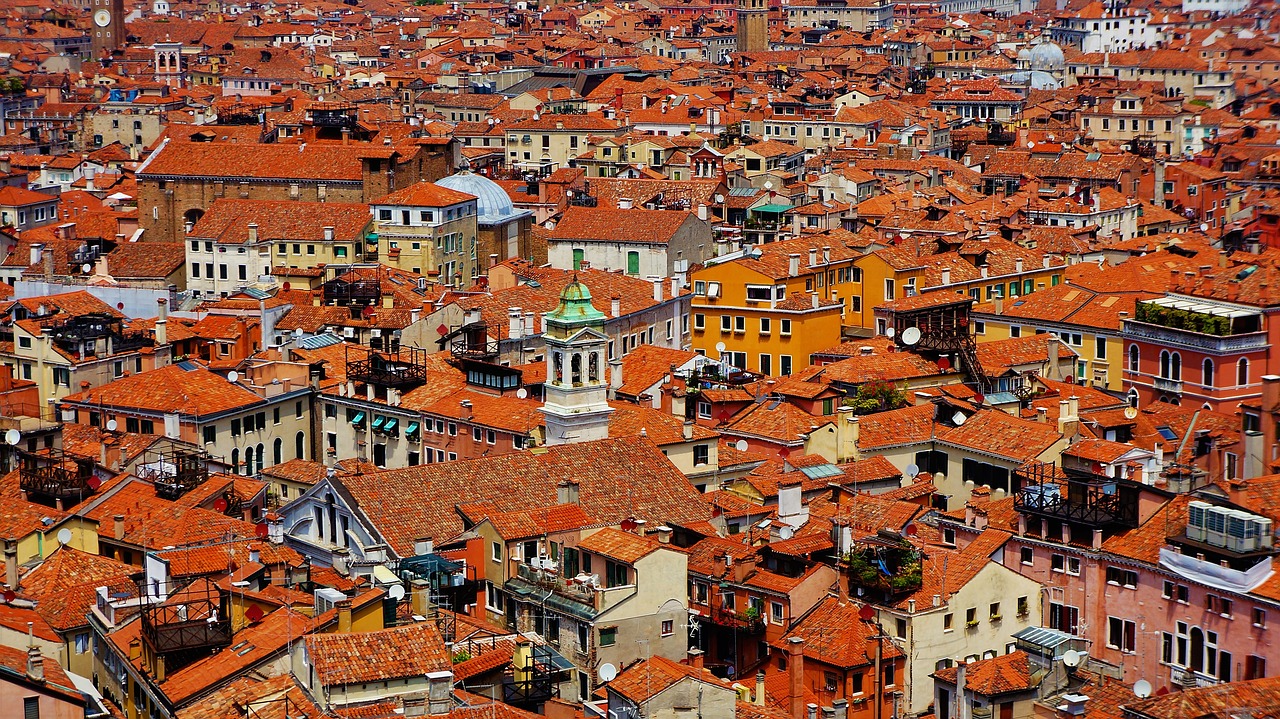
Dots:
pixel 343 658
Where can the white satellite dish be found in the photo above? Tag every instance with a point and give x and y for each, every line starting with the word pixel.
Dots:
pixel 890 332
pixel 64 536
pixel 522 393
pixel 1031 144
pixel 608 672
pixel 86 267
pixel 768 184
pixel 720 347
pixel 1204 226
pixel 396 592
pixel 1142 688
pixel 911 335
pixel 912 470
pixel 719 199
pixel 232 376
pixel 13 437
pixel 1071 658
pixel 958 418
pixel 786 532
pixel 111 425
pixel 741 445
pixel 1130 412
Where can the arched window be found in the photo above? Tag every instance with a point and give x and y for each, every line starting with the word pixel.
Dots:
pixel 557 367
pixel 1242 372
pixel 1170 365
pixel 248 460
pixel 575 367
pixel 299 443
pixel 1133 397
pixel 1133 358
pixel 277 451
pixel 1208 372
pixel 262 456
pixel 235 461
pixel 593 367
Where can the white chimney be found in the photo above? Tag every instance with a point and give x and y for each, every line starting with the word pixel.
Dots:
pixel 657 288
pixel 813 256
pixel 253 232
pixel 1017 265
pixel 615 306
pixel 702 212
pixel 514 322
pixel 37 253
pixel 328 234
pixel 624 203
pixel 946 275
pixel 793 265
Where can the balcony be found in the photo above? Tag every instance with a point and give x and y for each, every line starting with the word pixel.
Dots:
pixel 1167 385
pixel 1190 679
pixel 58 478
pixel 1079 498
pixel 202 622
pixel 551 580
pixel 404 368
pixel 747 620
pixel 1186 339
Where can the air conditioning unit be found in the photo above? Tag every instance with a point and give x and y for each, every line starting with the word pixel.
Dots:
pixel 1215 525
pixel 1266 536
pixel 1238 524
pixel 1196 512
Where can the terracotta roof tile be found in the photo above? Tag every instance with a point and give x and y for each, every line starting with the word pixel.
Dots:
pixel 342 658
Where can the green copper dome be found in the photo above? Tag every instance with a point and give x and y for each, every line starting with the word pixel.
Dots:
pixel 575 307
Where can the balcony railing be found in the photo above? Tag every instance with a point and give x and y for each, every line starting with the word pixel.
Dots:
pixel 557 583
pixel 1167 385
pixel 1195 340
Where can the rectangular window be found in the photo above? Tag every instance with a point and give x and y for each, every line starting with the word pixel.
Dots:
pixel 668 627
pixel 739 324
pixel 496 552
pixel 1122 577
pixel 699 321
pixel 726 323
pixel 784 364
pixel 764 325
pixel 784 328
pixel 1122 634
pixel 210 434
pixel 701 455
pixel 608 637
pixel 1028 556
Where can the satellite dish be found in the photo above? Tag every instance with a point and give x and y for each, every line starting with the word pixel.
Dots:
pixel 396 592
pixel 1204 226
pixel 719 198
pixel 1031 144
pixel 720 347
pixel 220 504
pixel 262 531
pixel 286 287
pixel 786 532
pixel 912 470
pixel 768 184
pixel 741 445
pixel 111 425
pixel 867 612
pixel 912 530
pixel 1130 412
pixel 1142 688
pixel 1071 658
pixel 608 672
pixel 522 393
pixel 958 418
pixel 911 335
pixel 232 376
pixel 13 437
pixel 890 332
pixel 86 267
pixel 8 596
pixel 64 536
pixel 980 398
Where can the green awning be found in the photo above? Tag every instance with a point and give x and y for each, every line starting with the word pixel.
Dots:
pixel 377 422
pixel 412 428
pixel 358 418
pixel 390 425
pixel 772 208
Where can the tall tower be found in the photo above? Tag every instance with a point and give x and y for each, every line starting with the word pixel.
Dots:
pixel 576 403
pixel 753 25
pixel 108 27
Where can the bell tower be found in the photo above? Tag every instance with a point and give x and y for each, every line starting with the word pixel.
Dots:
pixel 107 33
pixel 576 396
pixel 753 25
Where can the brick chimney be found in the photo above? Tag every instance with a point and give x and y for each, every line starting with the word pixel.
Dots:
pixel 795 675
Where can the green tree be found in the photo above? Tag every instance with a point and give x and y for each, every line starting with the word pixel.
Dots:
pixel 876 396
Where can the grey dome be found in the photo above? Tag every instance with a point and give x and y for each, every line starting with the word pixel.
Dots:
pixel 493 204
pixel 1024 57
pixel 1047 57
pixel 1035 79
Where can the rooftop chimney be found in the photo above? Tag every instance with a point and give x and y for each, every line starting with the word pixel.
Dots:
pixel 253 232
pixel 162 321
pixel 567 492
pixel 795 676
pixel 793 264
